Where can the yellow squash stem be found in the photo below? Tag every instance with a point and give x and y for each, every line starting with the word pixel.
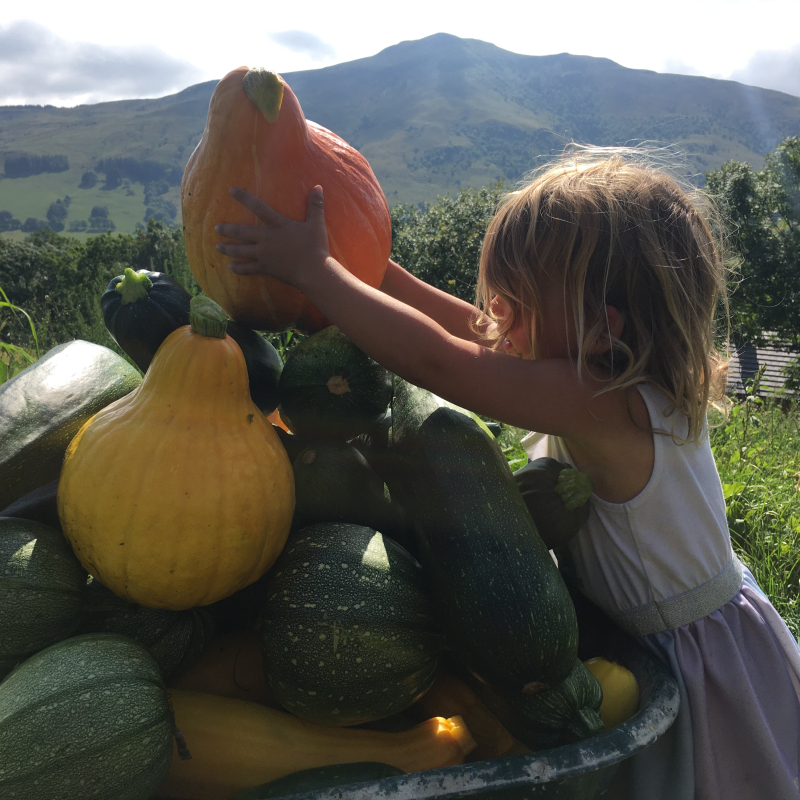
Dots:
pixel 236 745
pixel 449 696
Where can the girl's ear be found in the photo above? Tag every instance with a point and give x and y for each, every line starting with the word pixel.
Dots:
pixel 615 324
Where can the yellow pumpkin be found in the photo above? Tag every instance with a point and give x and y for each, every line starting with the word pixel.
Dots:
pixel 182 493
pixel 258 138
pixel 620 691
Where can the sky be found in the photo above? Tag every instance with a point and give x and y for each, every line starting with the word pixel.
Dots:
pixel 71 53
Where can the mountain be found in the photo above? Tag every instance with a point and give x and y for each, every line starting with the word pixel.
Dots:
pixel 431 115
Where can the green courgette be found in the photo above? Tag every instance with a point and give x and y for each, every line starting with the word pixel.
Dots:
pixel 501 600
pixel 42 408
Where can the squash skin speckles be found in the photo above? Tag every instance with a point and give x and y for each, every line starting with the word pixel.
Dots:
pixel 352 637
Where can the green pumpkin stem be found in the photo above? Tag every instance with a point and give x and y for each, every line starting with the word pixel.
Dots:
pixel 574 488
pixel 265 90
pixel 207 317
pixel 133 286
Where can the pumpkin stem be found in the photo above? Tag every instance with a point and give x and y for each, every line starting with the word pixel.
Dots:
pixel 265 90
pixel 574 488
pixel 133 286
pixel 207 317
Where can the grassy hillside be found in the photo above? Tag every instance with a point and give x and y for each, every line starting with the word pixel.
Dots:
pixel 432 116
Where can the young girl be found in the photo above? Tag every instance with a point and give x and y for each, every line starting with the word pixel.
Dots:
pixel 603 278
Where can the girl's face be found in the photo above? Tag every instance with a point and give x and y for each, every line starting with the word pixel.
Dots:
pixel 552 341
pixel 518 338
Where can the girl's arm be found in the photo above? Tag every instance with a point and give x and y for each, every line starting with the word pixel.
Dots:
pixel 453 314
pixel 545 396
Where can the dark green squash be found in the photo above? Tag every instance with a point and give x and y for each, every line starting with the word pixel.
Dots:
pixel 175 639
pixel 141 309
pixel 553 716
pixel 557 497
pixel 42 408
pixel 501 601
pixel 334 483
pixel 330 389
pixel 318 778
pixel 292 443
pixel 41 588
pixel 264 365
pixel 85 719
pixel 39 505
pixel 349 630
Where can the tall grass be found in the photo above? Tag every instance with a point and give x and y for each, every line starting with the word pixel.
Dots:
pixel 757 450
pixel 14 358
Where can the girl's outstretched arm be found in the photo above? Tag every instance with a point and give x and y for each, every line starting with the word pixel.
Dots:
pixel 452 313
pixel 397 335
pixel 545 396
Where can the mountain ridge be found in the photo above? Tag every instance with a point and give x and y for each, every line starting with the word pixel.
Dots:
pixel 431 115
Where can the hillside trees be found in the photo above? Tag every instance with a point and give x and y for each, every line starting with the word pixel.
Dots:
pixel 22 165
pixel 441 242
pixel 59 280
pixel 762 210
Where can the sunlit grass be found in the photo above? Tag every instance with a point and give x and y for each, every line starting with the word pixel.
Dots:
pixel 14 358
pixel 757 450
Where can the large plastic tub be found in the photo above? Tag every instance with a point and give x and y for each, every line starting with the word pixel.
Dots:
pixel 580 771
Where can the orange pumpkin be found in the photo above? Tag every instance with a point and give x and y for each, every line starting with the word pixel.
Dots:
pixel 256 137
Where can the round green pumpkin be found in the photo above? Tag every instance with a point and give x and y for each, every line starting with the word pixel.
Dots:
pixel 41 586
pixel 85 719
pixel 330 389
pixel 349 630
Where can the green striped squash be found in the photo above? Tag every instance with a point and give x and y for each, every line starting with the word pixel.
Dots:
pixel 44 406
pixel 41 583
pixel 349 631
pixel 499 597
pixel 330 389
pixel 84 719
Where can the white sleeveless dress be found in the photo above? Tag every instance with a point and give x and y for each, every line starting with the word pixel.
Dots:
pixel 661 566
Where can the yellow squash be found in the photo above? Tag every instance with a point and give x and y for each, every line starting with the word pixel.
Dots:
pixel 620 691
pixel 181 493
pixel 236 745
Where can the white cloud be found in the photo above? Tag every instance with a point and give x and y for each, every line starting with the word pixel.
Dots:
pixel 678 67
pixel 36 66
pixel 305 43
pixel 775 69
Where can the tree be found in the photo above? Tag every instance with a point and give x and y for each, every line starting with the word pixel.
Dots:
pixel 8 222
pixel 56 214
pixel 88 180
pixel 762 210
pixel 441 242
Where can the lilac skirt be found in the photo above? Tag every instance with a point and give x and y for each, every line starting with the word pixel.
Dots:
pixel 737 734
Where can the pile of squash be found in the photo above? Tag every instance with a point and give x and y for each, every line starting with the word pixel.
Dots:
pixel 222 575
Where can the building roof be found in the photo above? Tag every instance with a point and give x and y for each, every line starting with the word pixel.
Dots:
pixel 745 362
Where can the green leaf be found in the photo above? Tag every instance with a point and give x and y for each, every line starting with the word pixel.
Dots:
pixel 732 489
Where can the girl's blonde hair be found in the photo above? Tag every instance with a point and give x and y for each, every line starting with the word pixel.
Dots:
pixel 614 231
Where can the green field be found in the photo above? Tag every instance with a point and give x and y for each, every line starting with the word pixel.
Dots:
pixel 32 196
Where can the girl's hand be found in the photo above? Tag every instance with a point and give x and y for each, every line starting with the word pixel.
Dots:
pixel 287 250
